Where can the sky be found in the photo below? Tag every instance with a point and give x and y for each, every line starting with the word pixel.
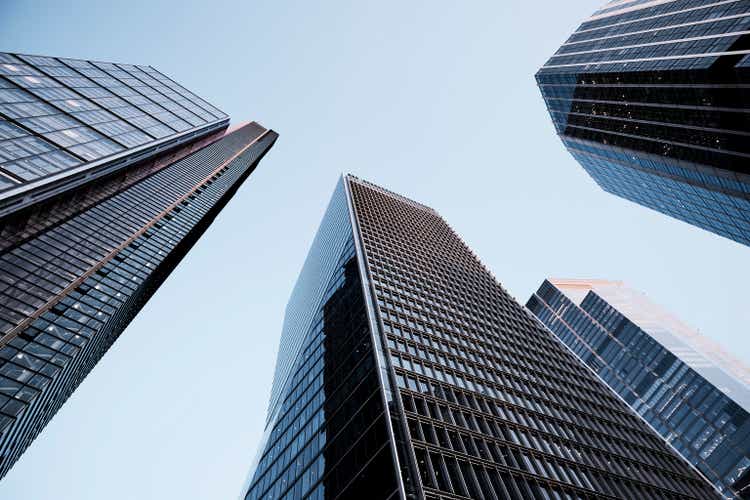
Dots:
pixel 432 99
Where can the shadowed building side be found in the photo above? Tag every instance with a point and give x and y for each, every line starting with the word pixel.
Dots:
pixel 650 97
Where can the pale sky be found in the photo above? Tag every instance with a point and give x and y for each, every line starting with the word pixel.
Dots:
pixel 432 99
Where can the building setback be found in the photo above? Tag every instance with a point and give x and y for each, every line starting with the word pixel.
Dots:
pixel 686 387
pixel 406 371
pixel 109 173
pixel 651 98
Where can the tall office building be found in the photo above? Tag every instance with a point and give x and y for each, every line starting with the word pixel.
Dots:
pixel 690 390
pixel 109 173
pixel 651 98
pixel 406 371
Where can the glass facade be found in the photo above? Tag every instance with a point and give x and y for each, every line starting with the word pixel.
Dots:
pixel 694 394
pixel 327 434
pixel 66 121
pixel 650 98
pixel 465 394
pixel 78 264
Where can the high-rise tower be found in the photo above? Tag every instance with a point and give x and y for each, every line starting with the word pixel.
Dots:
pixel 651 98
pixel 690 390
pixel 109 173
pixel 406 371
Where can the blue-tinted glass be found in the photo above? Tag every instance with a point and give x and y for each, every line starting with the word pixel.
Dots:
pixel 661 371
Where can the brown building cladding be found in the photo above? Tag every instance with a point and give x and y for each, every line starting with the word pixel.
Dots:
pixel 492 405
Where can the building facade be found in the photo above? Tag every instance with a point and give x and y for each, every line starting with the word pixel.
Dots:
pixel 650 97
pixel 406 371
pixel 110 173
pixel 692 392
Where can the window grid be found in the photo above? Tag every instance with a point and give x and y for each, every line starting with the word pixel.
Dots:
pixel 470 363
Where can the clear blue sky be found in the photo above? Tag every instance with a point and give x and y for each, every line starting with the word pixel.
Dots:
pixel 432 99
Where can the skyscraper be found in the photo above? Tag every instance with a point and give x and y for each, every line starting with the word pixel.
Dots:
pixel 110 173
pixel 406 371
pixel 650 97
pixel 690 390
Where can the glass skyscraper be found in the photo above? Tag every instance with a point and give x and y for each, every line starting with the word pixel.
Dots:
pixel 690 390
pixel 109 173
pixel 406 371
pixel 651 98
